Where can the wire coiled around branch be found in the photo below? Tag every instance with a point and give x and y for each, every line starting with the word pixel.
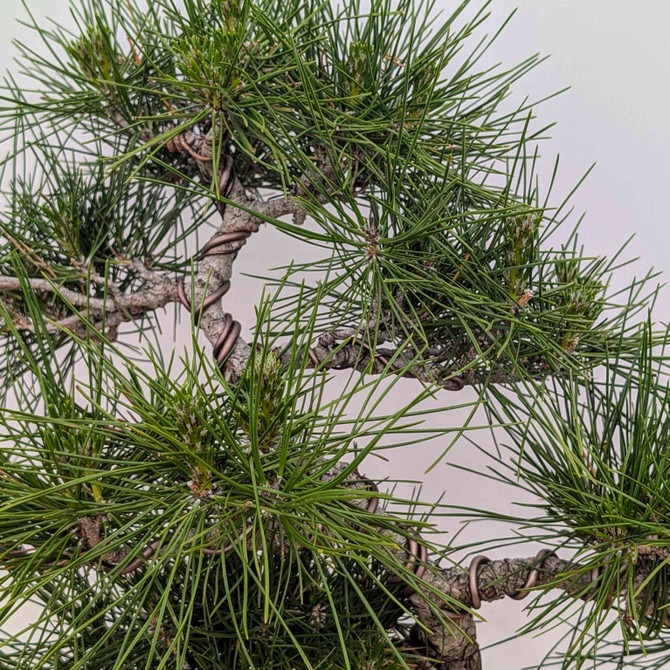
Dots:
pixel 218 246
pixel 531 581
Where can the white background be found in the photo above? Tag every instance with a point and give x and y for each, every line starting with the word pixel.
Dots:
pixel 615 55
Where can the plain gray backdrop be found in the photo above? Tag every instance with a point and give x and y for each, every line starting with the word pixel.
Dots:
pixel 615 56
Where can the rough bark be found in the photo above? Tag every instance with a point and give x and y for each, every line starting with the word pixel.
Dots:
pixel 331 352
pixel 157 291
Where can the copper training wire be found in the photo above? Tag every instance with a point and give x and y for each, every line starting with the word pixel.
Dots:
pixel 193 152
pixel 474 586
pixel 227 325
pixel 137 562
pixel 417 561
pixel 207 302
pixel 345 363
pixel 456 383
pixel 313 357
pixel 531 580
pixel 342 366
pixel 229 342
pixel 373 355
pixel 417 555
pixel 373 502
pixel 214 247
pixel 211 248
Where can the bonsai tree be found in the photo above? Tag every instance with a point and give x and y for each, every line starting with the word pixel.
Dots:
pixel 211 509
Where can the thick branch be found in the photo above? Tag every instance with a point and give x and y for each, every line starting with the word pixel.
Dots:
pixel 507 577
pixel 455 646
pixel 215 269
pixel 331 353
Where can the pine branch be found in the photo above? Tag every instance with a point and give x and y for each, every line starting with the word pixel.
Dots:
pixel 158 292
pixel 331 352
pixel 512 577
pixel 489 580
pixel 214 271
pixel 437 594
